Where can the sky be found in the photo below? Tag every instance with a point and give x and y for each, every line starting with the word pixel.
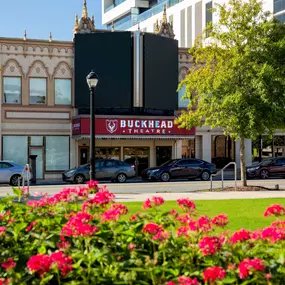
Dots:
pixel 40 17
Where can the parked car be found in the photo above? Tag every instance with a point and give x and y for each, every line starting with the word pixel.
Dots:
pixel 105 169
pixel 269 167
pixel 11 173
pixel 189 168
pixel 220 162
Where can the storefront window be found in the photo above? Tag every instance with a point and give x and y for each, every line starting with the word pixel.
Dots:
pixel 57 153
pixel 108 152
pixel 12 90
pixel 38 90
pixel 15 148
pixel 37 141
pixel 266 146
pixel 182 103
pixel 62 91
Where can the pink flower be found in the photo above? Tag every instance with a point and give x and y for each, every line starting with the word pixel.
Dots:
pixel 161 236
pixel 147 204
pixel 256 235
pixel 132 246
pixel 92 184
pixel 220 220
pixel 78 226
pixel 209 245
pixel 241 235
pixel 31 226
pixel 168 283
pixel 63 245
pixel 274 210
pixel 248 266
pixel 204 224
pixel 9 264
pixel 101 199
pixel 133 218
pixel 40 264
pixel 2 230
pixel 273 234
pixel 182 231
pixel 278 224
pixel 184 218
pixel 114 213
pixel 152 228
pixel 173 213
pixel 214 273
pixel 120 207
pixel 62 262
pixel 187 281
pixel 158 200
pixel 5 282
pixel 186 204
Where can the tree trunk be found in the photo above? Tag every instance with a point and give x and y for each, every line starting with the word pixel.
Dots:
pixel 242 163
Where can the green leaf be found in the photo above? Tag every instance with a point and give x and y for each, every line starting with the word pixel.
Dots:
pixel 46 279
pixel 42 249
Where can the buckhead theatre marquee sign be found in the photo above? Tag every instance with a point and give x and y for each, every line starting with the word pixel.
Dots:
pixel 129 126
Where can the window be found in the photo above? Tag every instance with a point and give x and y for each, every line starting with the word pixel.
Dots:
pixel 37 141
pixel 280 17
pixel 57 153
pixel 5 165
pixel 62 91
pixel 279 162
pixel 15 148
pixel 38 90
pixel 209 15
pixel 12 90
pixel 279 5
pixel 110 163
pixel 182 103
pixel 182 163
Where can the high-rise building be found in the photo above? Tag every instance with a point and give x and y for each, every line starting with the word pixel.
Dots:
pixel 187 17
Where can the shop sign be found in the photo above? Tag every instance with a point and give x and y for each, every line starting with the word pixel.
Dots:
pixel 129 126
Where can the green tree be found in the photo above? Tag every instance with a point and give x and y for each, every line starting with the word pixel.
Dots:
pixel 238 74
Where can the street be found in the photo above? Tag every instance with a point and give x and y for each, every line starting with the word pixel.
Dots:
pixel 171 190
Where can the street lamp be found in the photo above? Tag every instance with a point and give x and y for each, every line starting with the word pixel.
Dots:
pixel 92 80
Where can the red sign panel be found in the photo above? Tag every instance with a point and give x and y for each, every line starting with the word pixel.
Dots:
pixel 129 126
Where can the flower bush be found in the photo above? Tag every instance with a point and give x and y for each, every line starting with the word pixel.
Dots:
pixel 72 238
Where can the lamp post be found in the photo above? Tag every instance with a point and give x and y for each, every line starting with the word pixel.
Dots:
pixel 92 80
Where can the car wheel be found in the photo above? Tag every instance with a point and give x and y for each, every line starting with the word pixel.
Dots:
pixel 121 178
pixel 264 174
pixel 79 179
pixel 165 177
pixel 15 180
pixel 205 175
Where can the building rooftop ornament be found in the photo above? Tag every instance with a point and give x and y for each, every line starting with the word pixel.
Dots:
pixel 165 29
pixel 85 25
pixel 50 37
pixel 156 27
pixel 25 35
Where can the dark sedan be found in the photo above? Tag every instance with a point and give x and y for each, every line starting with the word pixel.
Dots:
pixel 180 168
pixel 270 167
pixel 105 169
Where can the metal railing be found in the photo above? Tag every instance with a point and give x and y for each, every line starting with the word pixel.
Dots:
pixel 222 171
pixel 25 176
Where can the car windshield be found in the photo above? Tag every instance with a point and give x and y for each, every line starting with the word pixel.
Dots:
pixel 265 162
pixel 169 162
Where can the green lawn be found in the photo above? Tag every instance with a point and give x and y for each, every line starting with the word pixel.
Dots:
pixel 246 214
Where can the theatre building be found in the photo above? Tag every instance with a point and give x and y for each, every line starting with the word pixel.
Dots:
pixel 45 100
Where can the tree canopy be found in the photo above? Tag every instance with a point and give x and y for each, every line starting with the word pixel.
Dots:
pixel 237 81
